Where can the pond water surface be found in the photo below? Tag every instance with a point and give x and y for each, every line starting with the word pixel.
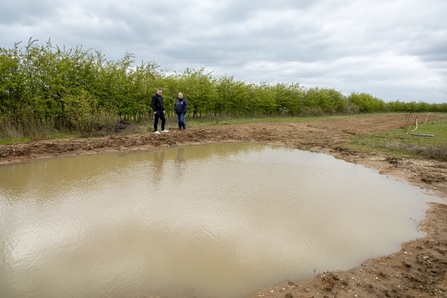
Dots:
pixel 218 220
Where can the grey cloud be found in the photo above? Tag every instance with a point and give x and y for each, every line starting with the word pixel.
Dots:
pixel 387 47
pixel 239 11
pixel 430 50
pixel 27 13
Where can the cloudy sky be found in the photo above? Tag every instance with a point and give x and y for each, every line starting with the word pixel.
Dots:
pixel 392 49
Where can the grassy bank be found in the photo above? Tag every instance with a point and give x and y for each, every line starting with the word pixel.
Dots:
pixel 427 140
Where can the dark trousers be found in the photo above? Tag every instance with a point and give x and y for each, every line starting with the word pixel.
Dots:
pixel 160 115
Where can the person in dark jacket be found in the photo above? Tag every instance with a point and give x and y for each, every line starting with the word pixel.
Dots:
pixel 159 111
pixel 180 108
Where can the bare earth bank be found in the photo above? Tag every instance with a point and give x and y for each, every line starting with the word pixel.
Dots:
pixel 419 269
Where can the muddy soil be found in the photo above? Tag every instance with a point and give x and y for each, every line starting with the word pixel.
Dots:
pixel 419 269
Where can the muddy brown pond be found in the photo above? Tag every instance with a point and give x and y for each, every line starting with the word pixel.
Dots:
pixel 217 220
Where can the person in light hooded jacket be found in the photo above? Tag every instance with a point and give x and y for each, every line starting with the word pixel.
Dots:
pixel 180 108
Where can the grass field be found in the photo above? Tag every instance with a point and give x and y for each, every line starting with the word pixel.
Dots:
pixel 427 140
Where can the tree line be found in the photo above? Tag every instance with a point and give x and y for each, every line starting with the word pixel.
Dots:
pixel 49 87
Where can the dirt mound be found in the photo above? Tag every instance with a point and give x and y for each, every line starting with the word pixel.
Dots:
pixel 419 269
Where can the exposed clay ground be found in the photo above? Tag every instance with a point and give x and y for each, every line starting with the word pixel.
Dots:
pixel 419 269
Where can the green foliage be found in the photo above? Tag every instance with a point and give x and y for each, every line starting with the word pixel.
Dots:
pixel 79 112
pixel 324 101
pixel 84 115
pixel 263 101
pixel 232 98
pixel 416 107
pixel 288 98
pixel 196 86
pixel 367 103
pixel 45 87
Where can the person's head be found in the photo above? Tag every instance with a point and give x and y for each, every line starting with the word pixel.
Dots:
pixel 159 91
pixel 180 95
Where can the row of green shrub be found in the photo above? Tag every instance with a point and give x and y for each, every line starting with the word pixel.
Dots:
pixel 80 90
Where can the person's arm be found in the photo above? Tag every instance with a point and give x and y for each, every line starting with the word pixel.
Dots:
pixel 185 108
pixel 153 103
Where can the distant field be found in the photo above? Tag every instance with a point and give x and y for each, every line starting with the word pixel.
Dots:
pixel 428 139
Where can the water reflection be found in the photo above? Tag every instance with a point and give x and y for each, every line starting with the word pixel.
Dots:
pixel 180 165
pixel 157 167
pixel 219 220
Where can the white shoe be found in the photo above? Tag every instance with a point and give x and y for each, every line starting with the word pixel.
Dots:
pixel 165 130
pixel 157 132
